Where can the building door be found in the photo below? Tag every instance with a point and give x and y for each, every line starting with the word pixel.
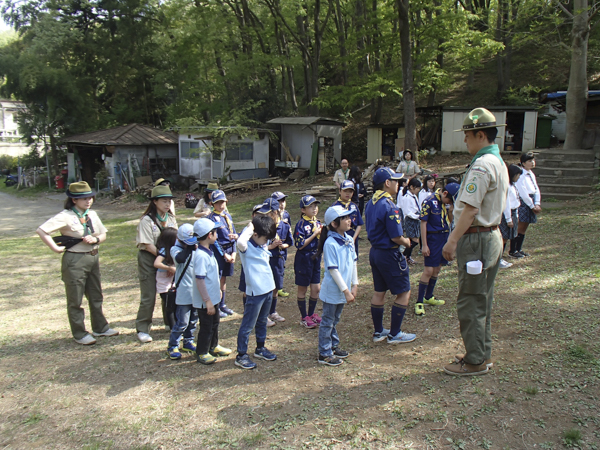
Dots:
pixel 529 130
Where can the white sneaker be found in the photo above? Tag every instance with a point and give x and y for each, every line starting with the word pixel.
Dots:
pixel 86 340
pixel 108 333
pixel 144 337
pixel 270 323
pixel 276 317
pixel 504 264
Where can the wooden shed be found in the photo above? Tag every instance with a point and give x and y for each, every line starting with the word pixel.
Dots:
pixel 385 141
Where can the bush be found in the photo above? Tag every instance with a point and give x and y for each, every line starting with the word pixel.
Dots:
pixel 8 162
pixel 33 159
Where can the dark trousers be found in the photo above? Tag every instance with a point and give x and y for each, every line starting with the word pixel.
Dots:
pixel 208 335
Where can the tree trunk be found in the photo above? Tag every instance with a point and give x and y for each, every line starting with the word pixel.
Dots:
pixel 376 103
pixel 410 121
pixel 54 152
pixel 341 29
pixel 578 87
pixel 500 24
pixel 360 37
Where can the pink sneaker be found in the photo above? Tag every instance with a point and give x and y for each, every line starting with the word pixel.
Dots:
pixel 316 318
pixel 307 322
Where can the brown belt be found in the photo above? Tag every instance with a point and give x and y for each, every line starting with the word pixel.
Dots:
pixel 93 252
pixel 481 229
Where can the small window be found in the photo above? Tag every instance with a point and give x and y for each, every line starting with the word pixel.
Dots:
pixel 232 152
pixel 240 151
pixel 189 150
pixel 246 151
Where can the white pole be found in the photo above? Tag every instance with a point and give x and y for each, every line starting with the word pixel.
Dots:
pixel 48 168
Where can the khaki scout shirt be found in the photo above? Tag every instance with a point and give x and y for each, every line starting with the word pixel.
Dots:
pixel 148 232
pixel 68 224
pixel 339 176
pixel 484 187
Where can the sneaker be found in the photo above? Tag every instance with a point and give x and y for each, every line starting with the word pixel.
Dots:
pixel 380 336
pixel 144 338
pixel 330 360
pixel 401 338
pixel 316 318
pixel 206 359
pixel 340 353
pixel 88 339
pixel 220 351
pixel 522 253
pixel 411 261
pixel 174 353
pixel 265 354
pixel 227 311
pixel 270 323
pixel 282 293
pixel 108 333
pixel 307 322
pixel 462 369
pixel 222 314
pixel 434 302
pixel 488 362
pixel 167 328
pixel 505 264
pixel 419 309
pixel 244 362
pixel 276 317
pixel 189 347
pixel 516 255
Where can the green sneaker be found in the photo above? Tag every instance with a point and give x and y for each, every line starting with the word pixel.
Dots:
pixel 220 351
pixel 282 293
pixel 434 302
pixel 206 359
pixel 419 309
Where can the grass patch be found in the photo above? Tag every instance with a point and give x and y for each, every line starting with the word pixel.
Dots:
pixel 572 436
pixel 31 192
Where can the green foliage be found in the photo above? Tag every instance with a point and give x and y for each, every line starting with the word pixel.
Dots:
pixel 572 436
pixel 32 159
pixel 8 162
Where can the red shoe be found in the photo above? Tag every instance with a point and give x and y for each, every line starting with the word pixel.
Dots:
pixel 316 318
pixel 307 322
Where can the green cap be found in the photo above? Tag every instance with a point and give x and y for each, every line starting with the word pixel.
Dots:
pixel 161 192
pixel 80 190
pixel 480 119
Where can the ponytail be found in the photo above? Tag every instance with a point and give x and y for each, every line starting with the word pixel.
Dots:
pixel 412 183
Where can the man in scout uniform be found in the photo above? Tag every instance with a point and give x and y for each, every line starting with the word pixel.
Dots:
pixel 341 174
pixel 478 210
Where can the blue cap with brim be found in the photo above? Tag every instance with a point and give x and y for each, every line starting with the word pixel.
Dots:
pixel 347 184
pixel 257 207
pixel 270 204
pixel 385 173
pixel 452 189
pixel 204 226
pixel 308 200
pixel 334 212
pixel 185 234
pixel 278 195
pixel 217 196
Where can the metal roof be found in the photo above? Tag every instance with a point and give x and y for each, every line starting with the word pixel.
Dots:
pixel 134 134
pixel 310 120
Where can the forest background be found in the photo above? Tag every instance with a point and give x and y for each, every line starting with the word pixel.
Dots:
pixel 83 65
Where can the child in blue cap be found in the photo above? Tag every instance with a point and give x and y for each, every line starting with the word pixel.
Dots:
pixel 286 219
pixel 436 217
pixel 307 265
pixel 340 282
pixel 389 266
pixel 347 188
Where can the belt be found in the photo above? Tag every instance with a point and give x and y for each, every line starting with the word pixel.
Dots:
pixel 481 229
pixel 93 252
pixel 226 246
pixel 437 232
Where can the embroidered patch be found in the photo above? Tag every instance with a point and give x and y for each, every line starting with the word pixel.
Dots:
pixel 396 218
pixel 471 188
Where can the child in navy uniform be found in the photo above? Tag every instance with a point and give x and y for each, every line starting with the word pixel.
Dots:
pixel 347 190
pixel 340 282
pixel 358 197
pixel 252 245
pixel 389 266
pixel 226 239
pixel 285 217
pixel 411 210
pixel 307 267
pixel 435 228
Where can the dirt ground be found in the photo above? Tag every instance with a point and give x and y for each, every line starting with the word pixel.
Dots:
pixel 542 393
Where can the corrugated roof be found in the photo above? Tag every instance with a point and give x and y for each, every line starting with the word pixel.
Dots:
pixel 134 134
pixel 306 121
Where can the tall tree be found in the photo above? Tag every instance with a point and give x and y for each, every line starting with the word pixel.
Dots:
pixel 408 89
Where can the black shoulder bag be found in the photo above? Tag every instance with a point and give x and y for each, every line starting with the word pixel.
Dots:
pixel 171 306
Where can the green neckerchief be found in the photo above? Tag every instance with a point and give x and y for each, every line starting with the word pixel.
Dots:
pixel 162 219
pixel 83 219
pixel 488 150
pixel 345 173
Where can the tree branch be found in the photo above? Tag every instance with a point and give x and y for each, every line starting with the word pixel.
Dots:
pixel 565 10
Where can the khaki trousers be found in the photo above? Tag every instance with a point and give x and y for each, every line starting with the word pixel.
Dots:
pixel 476 292
pixel 147 276
pixel 81 275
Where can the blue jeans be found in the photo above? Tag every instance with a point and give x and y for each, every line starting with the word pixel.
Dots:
pixel 255 317
pixel 187 319
pixel 328 335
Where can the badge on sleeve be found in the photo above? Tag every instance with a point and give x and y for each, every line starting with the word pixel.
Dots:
pixel 471 188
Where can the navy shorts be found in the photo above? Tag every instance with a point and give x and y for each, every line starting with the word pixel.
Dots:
pixel 242 285
pixel 307 271
pixel 277 267
pixel 436 242
pixel 390 270
pixel 225 268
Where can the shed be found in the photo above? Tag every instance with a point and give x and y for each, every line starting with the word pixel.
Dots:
pixel 10 139
pixel 307 136
pixel 384 141
pixel 556 104
pixel 134 149
pixel 517 136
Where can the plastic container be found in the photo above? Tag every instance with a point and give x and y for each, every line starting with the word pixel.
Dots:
pixel 474 267
pixel 60 182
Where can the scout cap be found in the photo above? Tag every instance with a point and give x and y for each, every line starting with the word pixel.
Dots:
pixel 185 234
pixel 480 119
pixel 452 189
pixel 217 196
pixel 334 212
pixel 256 208
pixel 308 200
pixel 385 173
pixel 80 190
pixel 162 181
pixel 204 226
pixel 161 192
pixel 211 187
pixel 278 195
pixel 270 204
pixel 347 184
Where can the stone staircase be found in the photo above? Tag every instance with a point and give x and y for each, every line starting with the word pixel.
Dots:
pixel 566 174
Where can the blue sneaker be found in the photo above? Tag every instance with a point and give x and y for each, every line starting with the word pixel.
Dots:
pixel 401 338
pixel 265 354
pixel 173 353
pixel 188 347
pixel 378 337
pixel 244 362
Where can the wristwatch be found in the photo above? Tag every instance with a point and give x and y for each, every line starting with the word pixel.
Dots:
pixel 97 240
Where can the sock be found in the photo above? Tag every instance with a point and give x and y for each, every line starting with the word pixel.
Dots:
pixel 273 305
pixel 259 344
pixel 377 316
pixel 302 306
pixel 409 250
pixel 223 305
pixel 241 354
pixel 521 241
pixel 398 312
pixel 513 246
pixel 430 288
pixel 312 305
pixel 422 288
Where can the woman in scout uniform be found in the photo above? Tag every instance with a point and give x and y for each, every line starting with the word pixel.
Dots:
pixel 203 208
pixel 157 217
pixel 345 201
pixel 166 182
pixel 408 166
pixel 81 232
pixel 478 210
pixel 531 200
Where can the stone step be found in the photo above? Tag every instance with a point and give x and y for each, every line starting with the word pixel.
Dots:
pixel 548 188
pixel 566 171
pixel 563 157
pixel 559 196
pixel 580 154
pixel 575 164
pixel 577 180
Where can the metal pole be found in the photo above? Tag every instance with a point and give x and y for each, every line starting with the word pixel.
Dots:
pixel 48 167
